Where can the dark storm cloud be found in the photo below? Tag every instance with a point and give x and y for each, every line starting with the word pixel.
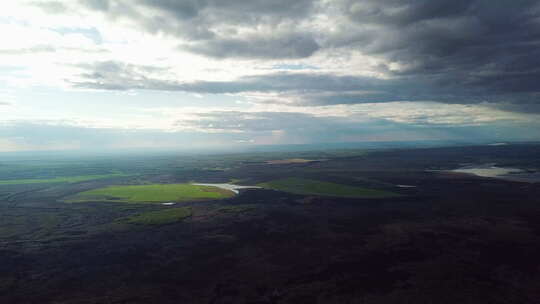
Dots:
pixel 463 51
pixel 401 13
pixel 303 88
pixel 202 22
pixel 290 45
pixel 488 44
pixel 329 89
pixel 232 11
pixel 118 76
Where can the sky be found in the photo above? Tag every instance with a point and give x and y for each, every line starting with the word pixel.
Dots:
pixel 208 74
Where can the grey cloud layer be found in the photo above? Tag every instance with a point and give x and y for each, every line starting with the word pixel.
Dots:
pixel 284 127
pixel 491 44
pixel 265 121
pixel 211 25
pixel 452 51
pixel 288 45
pixel 309 89
pixel 301 127
pixel 297 88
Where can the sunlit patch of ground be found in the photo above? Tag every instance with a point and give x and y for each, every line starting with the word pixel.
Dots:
pixel 160 217
pixel 155 193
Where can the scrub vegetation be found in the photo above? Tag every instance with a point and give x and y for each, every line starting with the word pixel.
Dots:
pixel 160 217
pixel 344 239
pixel 314 187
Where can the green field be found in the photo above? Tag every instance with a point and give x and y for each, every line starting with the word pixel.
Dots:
pixel 151 193
pixel 314 187
pixel 166 216
pixel 63 179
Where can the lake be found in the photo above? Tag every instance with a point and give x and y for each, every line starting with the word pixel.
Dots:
pixel 512 174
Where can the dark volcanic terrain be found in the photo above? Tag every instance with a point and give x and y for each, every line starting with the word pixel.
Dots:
pixel 452 238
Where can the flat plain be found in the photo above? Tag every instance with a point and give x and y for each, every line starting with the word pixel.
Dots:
pixel 341 230
pixel 160 217
pixel 61 179
pixel 321 188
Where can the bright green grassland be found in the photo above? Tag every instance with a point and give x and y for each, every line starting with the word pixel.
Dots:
pixel 166 216
pixel 151 193
pixel 64 179
pixel 313 187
